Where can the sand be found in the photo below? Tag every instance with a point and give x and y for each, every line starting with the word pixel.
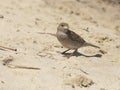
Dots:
pixel 38 64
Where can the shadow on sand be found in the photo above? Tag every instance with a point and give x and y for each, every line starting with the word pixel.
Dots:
pixel 68 55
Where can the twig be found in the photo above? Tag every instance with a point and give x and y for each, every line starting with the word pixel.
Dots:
pixel 84 71
pixel 47 33
pixel 23 67
pixel 7 61
pixel 3 47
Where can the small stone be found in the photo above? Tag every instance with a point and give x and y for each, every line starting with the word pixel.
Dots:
pixel 2 82
pixel 73 86
pixel 1 16
pixel 17 30
pixel 71 12
pixel 118 46
pixel 77 13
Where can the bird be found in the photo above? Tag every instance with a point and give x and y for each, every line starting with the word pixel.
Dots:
pixel 70 39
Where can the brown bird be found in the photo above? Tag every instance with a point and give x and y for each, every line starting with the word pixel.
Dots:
pixel 70 39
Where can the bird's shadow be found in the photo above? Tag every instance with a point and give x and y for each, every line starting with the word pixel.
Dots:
pixel 68 55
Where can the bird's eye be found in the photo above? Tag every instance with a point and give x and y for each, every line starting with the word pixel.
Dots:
pixel 62 25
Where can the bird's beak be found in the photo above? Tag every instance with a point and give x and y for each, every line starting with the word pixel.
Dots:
pixel 65 27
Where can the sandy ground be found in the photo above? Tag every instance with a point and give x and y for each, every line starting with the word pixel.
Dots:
pixel 97 21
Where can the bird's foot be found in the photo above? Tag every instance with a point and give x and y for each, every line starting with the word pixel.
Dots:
pixel 65 51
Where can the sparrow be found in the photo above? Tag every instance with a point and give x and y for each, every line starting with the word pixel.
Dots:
pixel 70 39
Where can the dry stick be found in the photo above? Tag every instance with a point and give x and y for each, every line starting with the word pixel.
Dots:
pixel 23 67
pixel 6 62
pixel 13 49
pixel 47 33
pixel 84 71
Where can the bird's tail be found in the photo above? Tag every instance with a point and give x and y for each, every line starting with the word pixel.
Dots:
pixel 89 44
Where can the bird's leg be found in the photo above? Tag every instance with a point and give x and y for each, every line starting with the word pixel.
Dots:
pixel 75 51
pixel 65 51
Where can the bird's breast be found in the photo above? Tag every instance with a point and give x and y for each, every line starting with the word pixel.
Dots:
pixel 61 35
pixel 66 41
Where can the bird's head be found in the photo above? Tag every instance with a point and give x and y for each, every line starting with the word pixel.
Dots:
pixel 63 26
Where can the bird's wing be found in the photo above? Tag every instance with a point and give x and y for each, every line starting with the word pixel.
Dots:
pixel 75 37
